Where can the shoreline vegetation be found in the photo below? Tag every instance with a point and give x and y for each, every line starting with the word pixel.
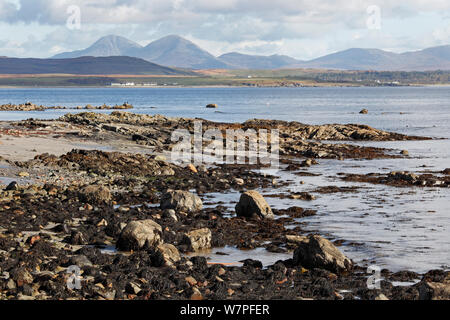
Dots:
pixel 234 78
pixel 97 191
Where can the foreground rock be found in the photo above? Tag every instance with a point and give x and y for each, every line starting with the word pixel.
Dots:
pixel 139 235
pixel 181 201
pixel 253 204
pixel 317 252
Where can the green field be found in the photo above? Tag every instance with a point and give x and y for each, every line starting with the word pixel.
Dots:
pixel 284 77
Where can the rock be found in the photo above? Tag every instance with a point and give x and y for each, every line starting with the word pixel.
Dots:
pixel 302 196
pixel 318 252
pixel 364 111
pixel 181 201
pixel 192 168
pixel 239 181
pixel 160 158
pixel 23 174
pixel 198 239
pixel 296 239
pixel 132 288
pixel 21 296
pixel 140 234
pixel 170 213
pixel 252 263
pixel 12 186
pixel 434 290
pixel 95 194
pixel 77 238
pixel 212 106
pixel 191 280
pixel 381 297
pixel 166 254
pixel 196 294
pixel 80 261
pixel 22 276
pixel 252 203
pixel 11 285
pixel 404 152
pixel 308 163
pixel 406 176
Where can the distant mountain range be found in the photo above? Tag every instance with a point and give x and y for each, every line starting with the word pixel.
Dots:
pixel 178 52
pixel 85 65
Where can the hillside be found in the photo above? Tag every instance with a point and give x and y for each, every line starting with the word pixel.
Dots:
pixel 84 65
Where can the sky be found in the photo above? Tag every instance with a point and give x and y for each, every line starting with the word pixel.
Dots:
pixel 298 28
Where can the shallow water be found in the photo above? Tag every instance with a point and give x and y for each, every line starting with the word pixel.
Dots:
pixel 397 228
pixel 233 256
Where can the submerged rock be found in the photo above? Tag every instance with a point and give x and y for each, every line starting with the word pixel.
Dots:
pixel 253 203
pixel 140 234
pixel 318 252
pixel 198 239
pixel 181 200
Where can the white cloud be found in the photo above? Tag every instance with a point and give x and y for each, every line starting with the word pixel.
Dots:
pixel 301 28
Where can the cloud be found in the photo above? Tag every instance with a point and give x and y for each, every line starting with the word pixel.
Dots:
pixel 302 28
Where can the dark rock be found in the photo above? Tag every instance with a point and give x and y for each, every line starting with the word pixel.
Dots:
pixel 253 204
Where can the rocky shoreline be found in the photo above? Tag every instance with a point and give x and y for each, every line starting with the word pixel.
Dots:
pixel 29 106
pixel 133 222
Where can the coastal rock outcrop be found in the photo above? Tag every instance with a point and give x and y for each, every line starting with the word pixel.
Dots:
pixel 252 203
pixel 318 252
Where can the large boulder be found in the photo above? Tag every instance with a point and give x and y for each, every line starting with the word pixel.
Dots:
pixel 318 252
pixel 140 235
pixel 198 239
pixel 95 194
pixel 253 204
pixel 181 201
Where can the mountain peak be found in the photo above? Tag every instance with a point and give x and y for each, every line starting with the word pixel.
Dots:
pixel 176 51
pixel 110 45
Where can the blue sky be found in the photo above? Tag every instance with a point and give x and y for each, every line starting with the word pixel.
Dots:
pixel 299 28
